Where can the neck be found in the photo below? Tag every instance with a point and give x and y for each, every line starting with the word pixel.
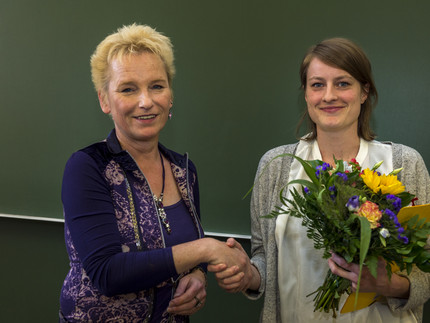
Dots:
pixel 341 146
pixel 142 151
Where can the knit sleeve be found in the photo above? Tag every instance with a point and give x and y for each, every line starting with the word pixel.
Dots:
pixel 416 179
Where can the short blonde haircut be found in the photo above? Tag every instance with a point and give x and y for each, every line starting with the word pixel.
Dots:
pixel 128 40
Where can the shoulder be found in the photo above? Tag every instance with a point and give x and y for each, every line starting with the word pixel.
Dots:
pixel 279 152
pixel 404 154
pixel 398 149
pixel 93 154
pixel 407 153
pixel 275 164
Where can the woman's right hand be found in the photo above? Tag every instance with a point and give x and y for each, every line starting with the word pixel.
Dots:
pixel 228 260
pixel 240 276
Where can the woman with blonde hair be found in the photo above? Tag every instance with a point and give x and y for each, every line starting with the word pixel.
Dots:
pixel 131 206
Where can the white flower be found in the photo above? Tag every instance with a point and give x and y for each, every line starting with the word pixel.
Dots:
pixel 384 233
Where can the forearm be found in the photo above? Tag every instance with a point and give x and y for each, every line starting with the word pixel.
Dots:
pixel 190 254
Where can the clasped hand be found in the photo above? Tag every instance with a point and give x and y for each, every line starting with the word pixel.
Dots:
pixel 190 295
pixel 233 271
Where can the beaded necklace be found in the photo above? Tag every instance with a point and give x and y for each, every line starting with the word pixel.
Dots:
pixel 159 201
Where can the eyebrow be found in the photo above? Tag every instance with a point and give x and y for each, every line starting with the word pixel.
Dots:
pixel 336 78
pixel 133 82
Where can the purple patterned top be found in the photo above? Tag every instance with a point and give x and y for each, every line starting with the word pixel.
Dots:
pixel 109 277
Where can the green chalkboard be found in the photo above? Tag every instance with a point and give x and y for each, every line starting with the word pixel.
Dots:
pixel 236 90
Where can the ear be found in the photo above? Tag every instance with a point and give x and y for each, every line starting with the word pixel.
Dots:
pixel 104 105
pixel 365 93
pixel 306 97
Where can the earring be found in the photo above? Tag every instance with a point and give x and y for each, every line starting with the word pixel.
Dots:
pixel 170 114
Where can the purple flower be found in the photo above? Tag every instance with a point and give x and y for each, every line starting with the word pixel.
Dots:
pixel 307 191
pixel 325 166
pixel 343 176
pixel 322 168
pixel 392 216
pixel 395 201
pixel 404 239
pixel 400 230
pixel 353 203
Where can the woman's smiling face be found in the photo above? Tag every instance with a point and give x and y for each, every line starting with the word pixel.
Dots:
pixel 138 97
pixel 333 97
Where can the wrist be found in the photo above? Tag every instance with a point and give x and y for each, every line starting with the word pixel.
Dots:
pixel 199 271
pixel 399 287
pixel 255 280
pixel 209 248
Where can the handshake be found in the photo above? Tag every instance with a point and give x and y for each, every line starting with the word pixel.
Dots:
pixel 232 267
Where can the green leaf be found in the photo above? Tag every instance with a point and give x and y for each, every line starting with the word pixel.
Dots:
pixel 365 234
pixel 420 222
pixel 372 264
pixel 306 183
pixel 409 259
pixel 309 170
pixel 319 198
pixel 384 243
pixel 412 221
pixel 425 267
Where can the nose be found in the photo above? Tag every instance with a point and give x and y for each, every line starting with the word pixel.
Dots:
pixel 145 100
pixel 330 94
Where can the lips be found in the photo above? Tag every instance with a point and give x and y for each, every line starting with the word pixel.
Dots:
pixel 146 117
pixel 331 109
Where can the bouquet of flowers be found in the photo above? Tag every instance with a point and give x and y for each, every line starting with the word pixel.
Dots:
pixel 353 213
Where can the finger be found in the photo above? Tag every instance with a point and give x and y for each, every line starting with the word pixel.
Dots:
pixel 234 244
pixel 231 288
pixel 182 286
pixel 188 294
pixel 231 271
pixel 236 279
pixel 231 242
pixel 217 268
pixel 343 263
pixel 339 271
pixel 189 307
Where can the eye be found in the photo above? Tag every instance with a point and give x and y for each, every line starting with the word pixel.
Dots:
pixel 127 90
pixel 316 85
pixel 343 84
pixel 157 87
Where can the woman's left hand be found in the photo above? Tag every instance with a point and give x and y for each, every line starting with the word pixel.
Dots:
pixel 190 295
pixel 398 286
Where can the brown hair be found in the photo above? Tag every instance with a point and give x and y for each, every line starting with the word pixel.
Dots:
pixel 348 56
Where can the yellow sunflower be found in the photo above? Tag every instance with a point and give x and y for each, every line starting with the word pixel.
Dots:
pixel 371 179
pixel 391 185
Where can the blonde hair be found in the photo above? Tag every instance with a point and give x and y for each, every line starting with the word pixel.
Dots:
pixel 128 40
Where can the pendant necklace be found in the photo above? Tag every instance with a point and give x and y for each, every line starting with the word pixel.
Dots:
pixel 159 201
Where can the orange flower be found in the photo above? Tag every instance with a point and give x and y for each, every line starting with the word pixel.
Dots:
pixel 371 212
